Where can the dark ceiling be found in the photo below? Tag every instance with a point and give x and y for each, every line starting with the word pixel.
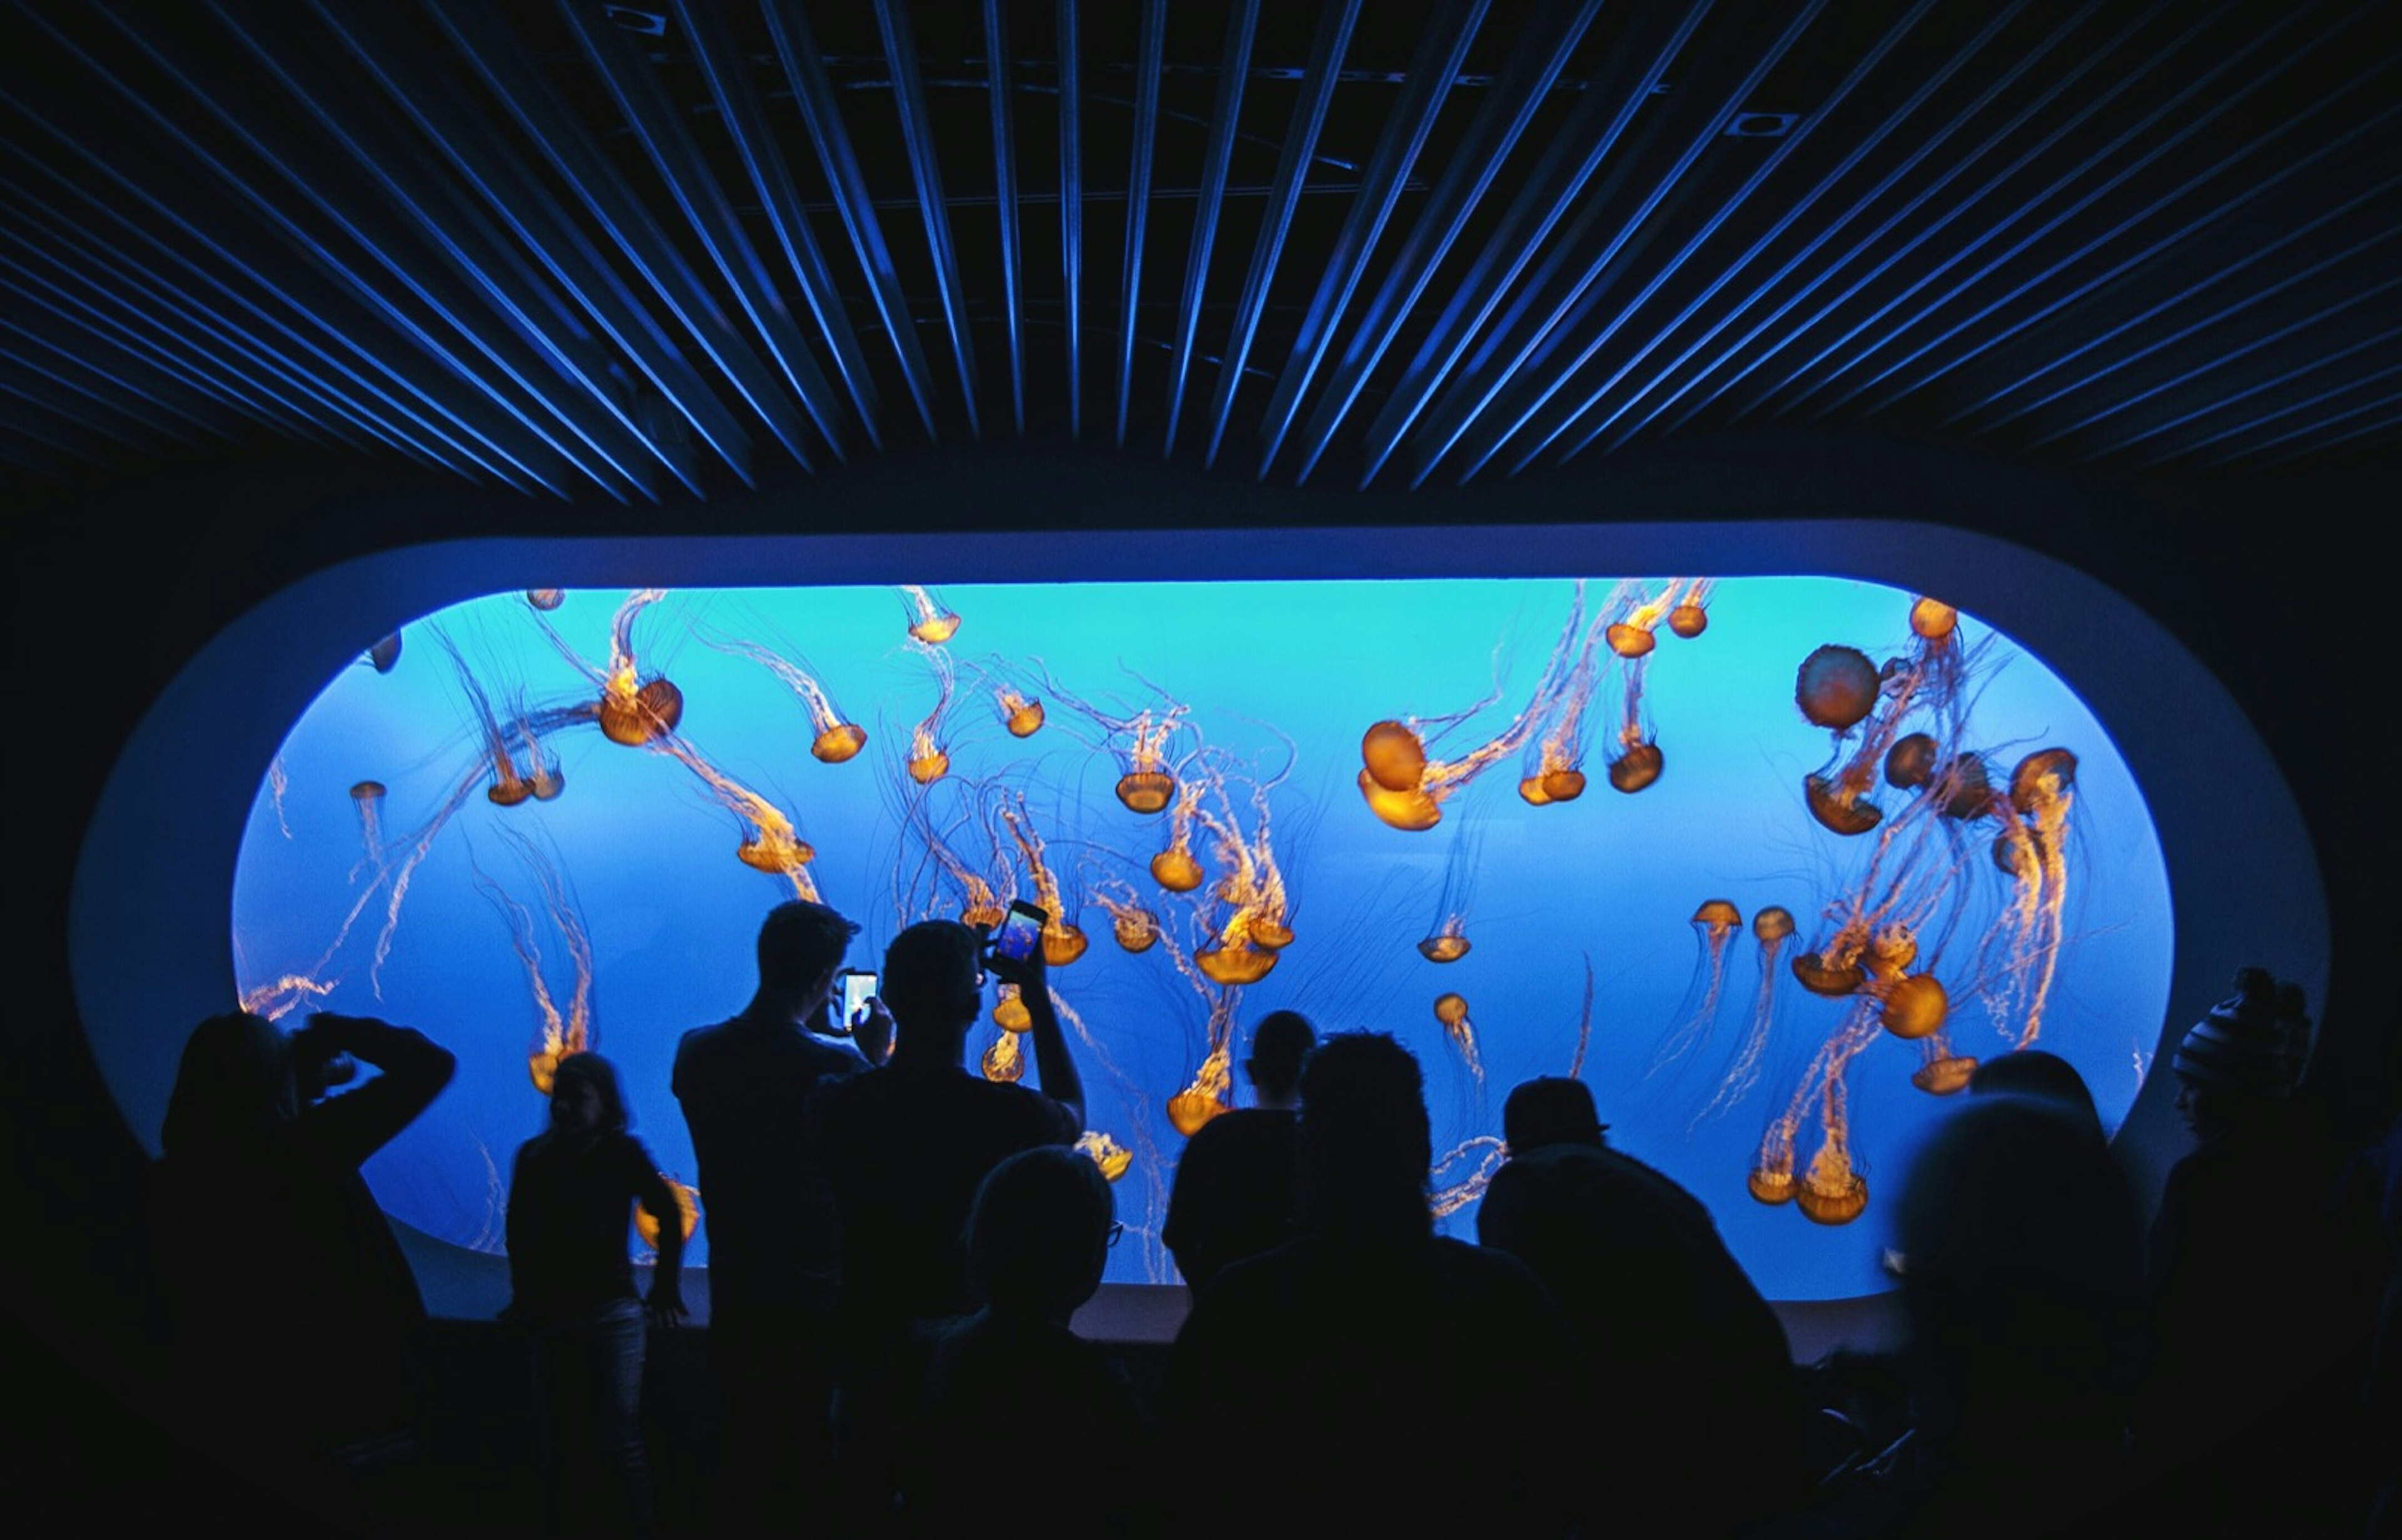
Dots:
pixel 663 249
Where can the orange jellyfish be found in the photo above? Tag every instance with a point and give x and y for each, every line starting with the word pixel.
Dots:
pixel 1020 715
pixel 508 788
pixel 1002 1064
pixel 1914 1005
pixel 2033 849
pixel 1176 867
pixel 1632 637
pixel 367 797
pixel 687 1201
pixel 566 1029
pixel 1110 1156
pixel 1255 925
pixel 1837 687
pixel 1459 1176
pixel 1451 1010
pixel 929 758
pixel 1062 943
pixel 774 844
pixel 1204 1097
pixel 546 598
pixel 1635 759
pixel 1449 943
pixel 1141 741
pixel 1405 786
pixel 1830 1181
pixel 1009 1011
pixel 1715 923
pixel 929 621
pixel 634 710
pixel 1691 615
pixel 835 738
pixel 1137 929
pixel 1944 1074
pixel 1771 927
pixel 384 653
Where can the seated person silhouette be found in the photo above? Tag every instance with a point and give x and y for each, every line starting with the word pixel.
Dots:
pixel 298 1328
pixel 1691 1384
pixel 904 1145
pixel 1029 1427
pixel 1388 1380
pixel 1233 1194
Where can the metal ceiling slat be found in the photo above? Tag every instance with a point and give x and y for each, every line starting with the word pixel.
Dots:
pixel 2186 450
pixel 540 226
pixel 1004 186
pixel 1435 65
pixel 498 60
pixel 917 141
pixel 1318 77
pixel 1555 186
pixel 657 125
pixel 2217 211
pixel 1994 230
pixel 1566 422
pixel 1825 272
pixel 1520 88
pixel 1072 212
pixel 122 396
pixel 1935 81
pixel 728 77
pixel 2214 318
pixel 796 49
pixel 124 360
pixel 455 453
pixel 1465 407
pixel 2376 425
pixel 1146 133
pixel 48 405
pixel 1242 23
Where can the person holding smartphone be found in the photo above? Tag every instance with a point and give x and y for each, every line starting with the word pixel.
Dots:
pixel 906 1146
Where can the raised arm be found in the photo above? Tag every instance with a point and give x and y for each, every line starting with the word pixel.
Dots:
pixel 413 1069
pixel 1053 1060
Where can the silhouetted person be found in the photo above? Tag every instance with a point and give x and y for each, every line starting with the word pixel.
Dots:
pixel 1689 1384
pixel 300 1329
pixel 1381 1378
pixel 1030 1428
pixel 572 1288
pixel 2033 1072
pixel 2251 1411
pixel 904 1145
pixel 1233 1195
pixel 2020 1259
pixel 774 1257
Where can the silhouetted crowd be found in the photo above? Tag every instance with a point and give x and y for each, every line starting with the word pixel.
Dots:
pixel 900 1246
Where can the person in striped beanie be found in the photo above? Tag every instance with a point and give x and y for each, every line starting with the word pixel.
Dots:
pixel 2243 1055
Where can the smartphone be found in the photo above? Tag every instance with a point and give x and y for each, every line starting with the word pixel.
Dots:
pixel 858 988
pixel 1021 932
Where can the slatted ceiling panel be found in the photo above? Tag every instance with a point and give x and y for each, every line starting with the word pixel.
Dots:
pixel 632 253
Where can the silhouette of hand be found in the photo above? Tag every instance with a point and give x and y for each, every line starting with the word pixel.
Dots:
pixel 871 1033
pixel 667 1310
pixel 1028 973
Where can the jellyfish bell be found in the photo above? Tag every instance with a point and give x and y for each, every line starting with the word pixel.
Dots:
pixel 838 743
pixel 547 778
pixel 1411 810
pixel 366 790
pixel 1233 966
pixel 1769 1185
pixel 778 855
pixel 1837 687
pixel 687 1204
pixel 1451 1010
pixel 1062 943
pixel 1889 952
pixel 1188 1110
pixel 1002 1063
pixel 508 789
pixel 1394 755
pixel 982 916
pixel 1945 1075
pixel 1838 808
pixel 384 653
pixel 1916 1006
pixel 1176 871
pixel 1965 789
pixel 641 716
pixel 2041 777
pixel 542 1066
pixel 1636 769
pixel 1689 620
pixel 1717 915
pixel 1773 924
pixel 1268 934
pixel 1820 974
pixel 1009 1011
pixel 1147 790
pixel 928 769
pixel 1136 929
pixel 1531 789
pixel 1024 720
pixel 546 598
pixel 1105 1152
pixel 1563 785
pixel 1629 641
pixel 1910 762
pixel 1836 1199
pixel 1931 619
pixel 1443 949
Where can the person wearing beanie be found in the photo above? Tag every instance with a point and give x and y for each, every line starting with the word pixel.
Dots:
pixel 2249 1408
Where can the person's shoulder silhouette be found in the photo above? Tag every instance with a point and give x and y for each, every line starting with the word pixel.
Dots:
pixel 1232 1193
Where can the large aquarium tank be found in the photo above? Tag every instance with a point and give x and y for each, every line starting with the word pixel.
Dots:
pixel 1770 863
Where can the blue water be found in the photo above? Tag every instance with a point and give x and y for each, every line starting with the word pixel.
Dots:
pixel 1278 681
